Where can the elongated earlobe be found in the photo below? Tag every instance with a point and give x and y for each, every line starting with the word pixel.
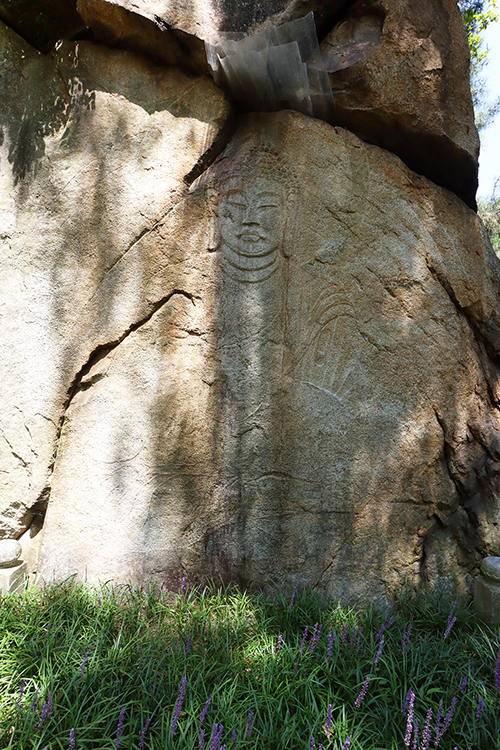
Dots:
pixel 292 204
pixel 212 209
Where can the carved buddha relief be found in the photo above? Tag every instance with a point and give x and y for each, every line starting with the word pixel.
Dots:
pixel 256 208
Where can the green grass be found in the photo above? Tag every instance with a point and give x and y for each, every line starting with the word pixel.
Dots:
pixel 98 652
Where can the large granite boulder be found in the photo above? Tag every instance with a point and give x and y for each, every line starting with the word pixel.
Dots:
pixel 399 68
pixel 400 79
pixel 96 146
pixel 315 400
pixel 244 347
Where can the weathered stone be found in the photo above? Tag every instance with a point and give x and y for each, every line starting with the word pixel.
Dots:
pixel 399 68
pixel 43 22
pixel 13 579
pixel 10 552
pixel 200 20
pixel 315 400
pixel 124 26
pixel 173 33
pixel 96 145
pixel 487 591
pixel 490 568
pixel 400 79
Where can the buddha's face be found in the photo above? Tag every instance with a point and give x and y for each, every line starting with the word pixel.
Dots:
pixel 251 216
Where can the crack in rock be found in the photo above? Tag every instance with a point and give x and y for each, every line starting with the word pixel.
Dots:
pixel 79 384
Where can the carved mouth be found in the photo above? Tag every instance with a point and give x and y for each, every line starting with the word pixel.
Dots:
pixel 250 236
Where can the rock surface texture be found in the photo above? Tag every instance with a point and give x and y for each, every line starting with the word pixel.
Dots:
pixel 244 346
pixel 95 147
pixel 400 79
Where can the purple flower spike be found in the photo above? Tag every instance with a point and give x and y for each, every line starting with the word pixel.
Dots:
pixel 451 621
pixel 438 724
pixel 301 648
pixel 119 728
pixel 316 636
pixel 384 628
pixel 280 642
pixel 34 702
pixel 353 638
pixel 183 583
pixel 249 725
pixel 21 691
pixel 202 740
pixel 480 706
pixel 216 737
pixel 188 644
pixel 358 640
pixel 46 710
pixel 359 700
pixel 143 733
pixel 449 715
pixel 331 639
pixel 178 706
pixel 82 668
pixel 329 718
pixel 407 700
pixel 204 710
pixel 344 633
pixel 409 720
pixel 293 597
pixel 426 734
pixel 311 745
pixel 72 743
pixel 346 743
pixel 463 685
pixel 415 733
pixel 406 638
pixel 379 651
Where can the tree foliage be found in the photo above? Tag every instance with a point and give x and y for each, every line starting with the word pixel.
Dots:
pixel 477 15
pixel 489 211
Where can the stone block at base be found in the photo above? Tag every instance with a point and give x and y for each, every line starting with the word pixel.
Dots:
pixel 487 600
pixel 12 579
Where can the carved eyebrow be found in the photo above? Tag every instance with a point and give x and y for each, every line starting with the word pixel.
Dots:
pixel 265 195
pixel 234 193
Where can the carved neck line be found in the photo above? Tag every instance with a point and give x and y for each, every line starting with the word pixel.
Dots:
pixel 250 269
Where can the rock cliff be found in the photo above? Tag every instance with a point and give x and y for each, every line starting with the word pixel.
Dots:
pixel 247 346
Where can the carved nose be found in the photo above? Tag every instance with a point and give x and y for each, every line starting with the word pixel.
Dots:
pixel 251 216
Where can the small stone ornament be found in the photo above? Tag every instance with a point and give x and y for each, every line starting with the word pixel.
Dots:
pixel 487 591
pixel 10 552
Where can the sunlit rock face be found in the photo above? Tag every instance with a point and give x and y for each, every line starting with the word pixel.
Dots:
pixel 312 402
pixel 95 145
pixel 400 79
pixel 249 347
pixel 399 69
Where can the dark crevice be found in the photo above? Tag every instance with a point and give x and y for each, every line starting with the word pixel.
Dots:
pixel 447 460
pixel 463 521
pixel 214 151
pixel 104 349
pixel 484 346
pixel 34 516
